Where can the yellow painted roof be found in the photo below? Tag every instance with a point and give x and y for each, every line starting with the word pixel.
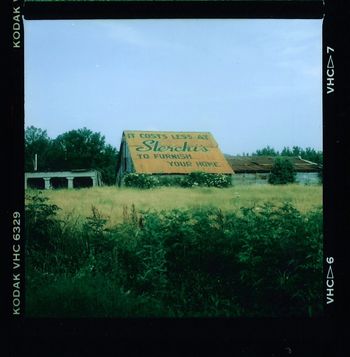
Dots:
pixel 175 152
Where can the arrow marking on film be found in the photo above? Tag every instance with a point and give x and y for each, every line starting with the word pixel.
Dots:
pixel 330 273
pixel 330 63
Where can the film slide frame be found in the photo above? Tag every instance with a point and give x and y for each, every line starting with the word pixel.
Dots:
pixel 247 337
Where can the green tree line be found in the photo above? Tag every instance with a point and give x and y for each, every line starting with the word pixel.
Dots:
pixel 306 154
pixel 85 149
pixel 74 149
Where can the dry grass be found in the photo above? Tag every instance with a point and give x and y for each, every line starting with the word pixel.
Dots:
pixel 110 201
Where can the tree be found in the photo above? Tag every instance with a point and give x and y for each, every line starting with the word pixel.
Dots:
pixel 36 142
pixel 266 151
pixel 313 155
pixel 84 149
pixel 306 154
pixel 282 172
pixel 75 149
pixel 297 151
pixel 287 152
pixel 107 164
pixel 79 149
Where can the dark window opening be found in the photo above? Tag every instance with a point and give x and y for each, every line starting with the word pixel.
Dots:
pixel 59 182
pixel 81 182
pixel 36 183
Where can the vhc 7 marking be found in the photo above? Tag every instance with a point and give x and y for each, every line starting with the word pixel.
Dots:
pixel 330 71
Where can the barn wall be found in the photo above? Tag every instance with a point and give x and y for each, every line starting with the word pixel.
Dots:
pixel 262 178
pixel 250 178
pixel 129 162
pixel 125 165
pixel 308 177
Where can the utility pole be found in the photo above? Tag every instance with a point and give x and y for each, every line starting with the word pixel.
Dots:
pixel 36 162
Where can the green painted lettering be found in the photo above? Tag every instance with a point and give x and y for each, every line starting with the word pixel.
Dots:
pixel 147 146
pixel 153 145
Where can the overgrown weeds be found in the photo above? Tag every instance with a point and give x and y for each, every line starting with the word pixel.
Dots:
pixel 261 261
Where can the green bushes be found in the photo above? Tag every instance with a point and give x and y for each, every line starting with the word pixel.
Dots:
pixel 205 179
pixel 41 222
pixel 145 181
pixel 263 261
pixel 141 180
pixel 282 172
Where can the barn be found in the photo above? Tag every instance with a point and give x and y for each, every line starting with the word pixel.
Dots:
pixel 256 169
pixel 169 153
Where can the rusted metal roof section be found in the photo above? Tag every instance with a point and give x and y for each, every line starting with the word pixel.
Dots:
pixel 264 164
pixel 165 152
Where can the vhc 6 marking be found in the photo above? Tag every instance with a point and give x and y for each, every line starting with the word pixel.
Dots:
pixel 330 281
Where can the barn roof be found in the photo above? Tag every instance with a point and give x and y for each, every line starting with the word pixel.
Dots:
pixel 175 152
pixel 253 164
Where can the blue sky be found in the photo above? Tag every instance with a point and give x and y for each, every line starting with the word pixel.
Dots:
pixel 251 83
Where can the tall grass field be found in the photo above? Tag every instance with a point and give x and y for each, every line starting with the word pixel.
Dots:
pixel 111 201
pixel 247 250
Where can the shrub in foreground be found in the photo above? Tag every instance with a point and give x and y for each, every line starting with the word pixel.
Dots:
pixel 282 172
pixel 262 261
